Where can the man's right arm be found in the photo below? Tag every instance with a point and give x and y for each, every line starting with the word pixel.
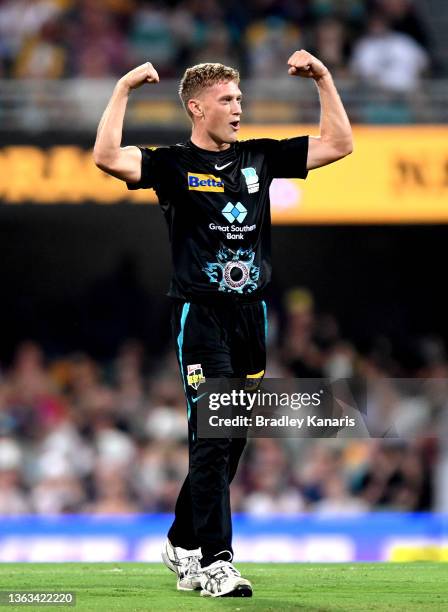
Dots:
pixel 108 154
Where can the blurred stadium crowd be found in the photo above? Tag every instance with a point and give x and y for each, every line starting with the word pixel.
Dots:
pixel 77 435
pixel 80 435
pixel 381 41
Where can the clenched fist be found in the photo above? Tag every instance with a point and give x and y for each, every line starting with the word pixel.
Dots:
pixel 301 63
pixel 146 73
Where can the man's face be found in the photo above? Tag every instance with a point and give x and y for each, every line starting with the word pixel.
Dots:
pixel 221 107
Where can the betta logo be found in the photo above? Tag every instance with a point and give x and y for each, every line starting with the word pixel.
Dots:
pixel 204 182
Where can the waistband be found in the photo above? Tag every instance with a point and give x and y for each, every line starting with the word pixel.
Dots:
pixel 223 299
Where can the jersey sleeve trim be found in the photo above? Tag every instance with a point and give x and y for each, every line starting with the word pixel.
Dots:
pixel 148 173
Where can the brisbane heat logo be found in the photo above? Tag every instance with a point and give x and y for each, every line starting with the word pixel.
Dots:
pixel 204 182
pixel 251 176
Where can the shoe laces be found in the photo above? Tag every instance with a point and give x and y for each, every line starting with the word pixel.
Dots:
pixel 222 569
pixel 190 566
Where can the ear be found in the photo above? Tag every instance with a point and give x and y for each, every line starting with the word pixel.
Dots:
pixel 195 108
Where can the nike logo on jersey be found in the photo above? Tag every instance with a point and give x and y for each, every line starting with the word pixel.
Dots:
pixel 222 167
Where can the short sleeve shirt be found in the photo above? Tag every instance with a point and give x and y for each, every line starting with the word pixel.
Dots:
pixel 216 205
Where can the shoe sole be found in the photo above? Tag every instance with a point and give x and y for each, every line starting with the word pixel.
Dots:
pixel 181 588
pixel 242 590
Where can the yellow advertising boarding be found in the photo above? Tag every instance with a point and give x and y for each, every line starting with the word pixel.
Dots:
pixel 395 175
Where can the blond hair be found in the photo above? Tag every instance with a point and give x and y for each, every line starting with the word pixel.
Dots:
pixel 200 76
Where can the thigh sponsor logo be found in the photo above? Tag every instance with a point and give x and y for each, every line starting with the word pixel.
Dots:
pixel 204 182
pixel 251 176
pixel 195 375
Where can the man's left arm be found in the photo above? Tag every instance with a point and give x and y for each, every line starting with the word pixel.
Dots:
pixel 335 139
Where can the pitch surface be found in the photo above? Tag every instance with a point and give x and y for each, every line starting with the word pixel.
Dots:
pixel 277 587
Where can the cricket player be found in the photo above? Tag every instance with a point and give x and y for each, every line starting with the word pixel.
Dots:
pixel 214 194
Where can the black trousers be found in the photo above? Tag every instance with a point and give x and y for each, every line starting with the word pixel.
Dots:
pixel 217 341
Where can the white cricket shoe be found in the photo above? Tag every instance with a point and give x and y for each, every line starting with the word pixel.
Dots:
pixel 221 579
pixel 185 564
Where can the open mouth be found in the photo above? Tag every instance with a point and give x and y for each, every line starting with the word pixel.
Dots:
pixel 235 125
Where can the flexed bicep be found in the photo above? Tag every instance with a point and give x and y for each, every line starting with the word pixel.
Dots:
pixel 125 165
pixel 322 152
pixel 122 162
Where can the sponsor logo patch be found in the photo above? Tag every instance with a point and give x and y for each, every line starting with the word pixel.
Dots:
pixel 234 212
pixel 204 182
pixel 195 376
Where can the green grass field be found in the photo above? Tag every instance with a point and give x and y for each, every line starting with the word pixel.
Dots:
pixel 277 587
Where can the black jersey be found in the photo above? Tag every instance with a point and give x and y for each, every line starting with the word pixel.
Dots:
pixel 217 208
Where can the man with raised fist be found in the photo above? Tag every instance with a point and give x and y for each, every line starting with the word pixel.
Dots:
pixel 214 194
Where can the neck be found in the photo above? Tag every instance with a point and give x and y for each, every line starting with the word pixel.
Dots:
pixel 203 140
